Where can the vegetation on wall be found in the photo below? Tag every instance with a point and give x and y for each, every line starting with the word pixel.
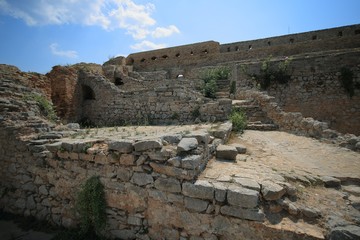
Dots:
pixel 233 87
pixel 45 106
pixel 271 73
pixel 347 81
pixel 210 77
pixel 91 206
pixel 238 120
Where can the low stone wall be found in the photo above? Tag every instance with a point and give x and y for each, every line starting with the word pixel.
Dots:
pixel 150 186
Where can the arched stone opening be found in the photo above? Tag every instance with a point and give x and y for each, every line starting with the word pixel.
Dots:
pixel 88 93
pixel 118 81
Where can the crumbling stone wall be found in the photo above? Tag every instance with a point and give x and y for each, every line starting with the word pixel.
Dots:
pixel 150 186
pixel 87 97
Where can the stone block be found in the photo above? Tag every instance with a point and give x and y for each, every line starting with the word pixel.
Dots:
pixel 175 161
pixel 134 220
pixel 201 136
pixel 127 159
pixel 43 190
pixel 67 146
pixel 187 144
pixel 248 214
pixel 220 191
pixel 226 152
pixel 248 183
pixel 147 145
pixel 347 232
pixel 331 182
pixel 272 191
pixel 173 171
pixel 168 185
pixel 142 179
pixel 242 197
pixel 196 204
pixel 223 131
pixel 241 149
pixel 201 189
pixel 191 162
pixel 172 139
pixel 122 146
pixel 54 147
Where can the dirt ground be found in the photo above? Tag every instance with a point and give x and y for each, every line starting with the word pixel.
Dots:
pixel 288 152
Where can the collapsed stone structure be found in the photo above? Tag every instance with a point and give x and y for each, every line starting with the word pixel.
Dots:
pixel 147 179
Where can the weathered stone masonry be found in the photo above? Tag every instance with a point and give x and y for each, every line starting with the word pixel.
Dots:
pixel 150 186
pixel 314 90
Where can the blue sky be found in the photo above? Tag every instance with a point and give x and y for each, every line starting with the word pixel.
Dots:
pixel 38 34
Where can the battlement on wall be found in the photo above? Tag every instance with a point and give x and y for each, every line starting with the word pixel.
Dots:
pixel 326 34
pixel 212 53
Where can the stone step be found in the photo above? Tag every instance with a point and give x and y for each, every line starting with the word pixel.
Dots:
pixel 259 126
pixel 222 94
pixel 242 103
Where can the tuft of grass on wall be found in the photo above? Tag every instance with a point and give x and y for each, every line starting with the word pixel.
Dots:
pixel 347 81
pixel 46 107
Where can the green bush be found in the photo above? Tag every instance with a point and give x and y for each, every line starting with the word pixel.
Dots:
pixel 347 81
pixel 217 73
pixel 46 107
pixel 270 73
pixel 210 77
pixel 210 89
pixel 91 206
pixel 238 119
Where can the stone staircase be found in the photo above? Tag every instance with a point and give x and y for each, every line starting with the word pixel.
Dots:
pixel 223 88
pixel 256 117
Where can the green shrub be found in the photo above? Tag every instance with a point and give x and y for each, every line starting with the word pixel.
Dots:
pixel 217 73
pixel 347 81
pixel 238 119
pixel 210 89
pixel 270 73
pixel 210 77
pixel 91 206
pixel 46 107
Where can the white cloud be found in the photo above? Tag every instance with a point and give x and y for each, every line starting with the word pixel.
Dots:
pixel 135 18
pixel 54 47
pixel 161 32
pixel 8 9
pixel 147 45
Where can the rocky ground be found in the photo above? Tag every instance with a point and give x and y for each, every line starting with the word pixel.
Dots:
pixel 325 180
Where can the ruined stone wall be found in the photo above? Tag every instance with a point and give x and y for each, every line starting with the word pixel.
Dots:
pixel 150 186
pixel 90 98
pixel 315 89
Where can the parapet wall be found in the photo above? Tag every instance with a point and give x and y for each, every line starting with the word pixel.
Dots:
pixel 212 53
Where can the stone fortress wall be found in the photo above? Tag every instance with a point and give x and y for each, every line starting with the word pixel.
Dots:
pixel 317 57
